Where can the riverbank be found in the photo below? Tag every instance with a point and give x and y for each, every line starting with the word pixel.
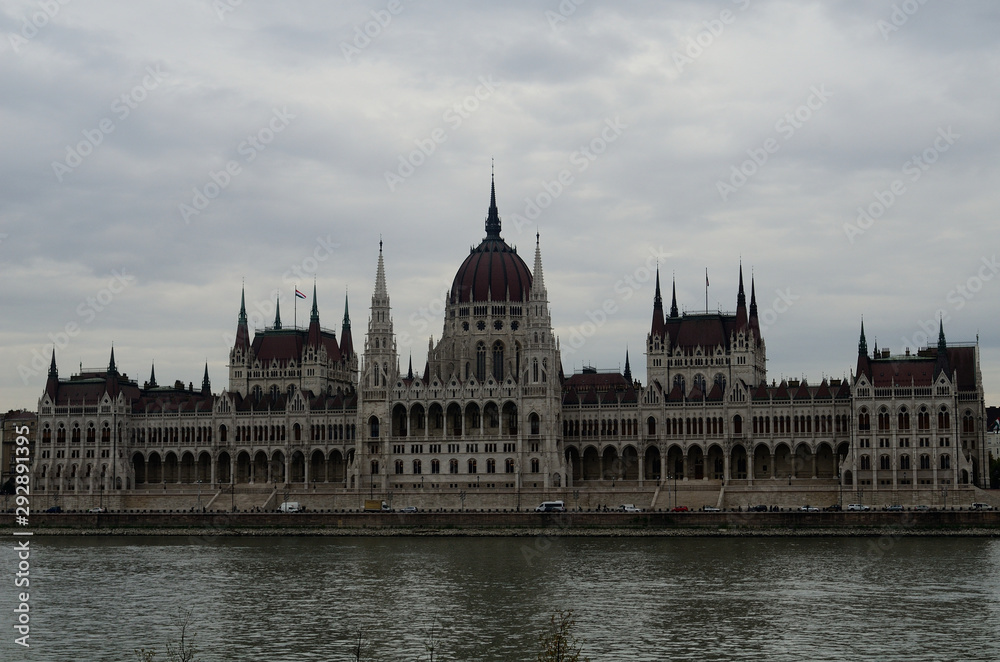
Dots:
pixel 497 523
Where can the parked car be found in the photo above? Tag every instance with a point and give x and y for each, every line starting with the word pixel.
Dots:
pixel 408 509
pixel 551 507
pixel 834 507
pixel 96 510
pixel 629 508
pixel 982 506
pixel 54 509
pixel 809 509
pixel 857 506
pixel 894 507
pixel 712 509
pixel 759 508
pixel 922 506
pixel 679 509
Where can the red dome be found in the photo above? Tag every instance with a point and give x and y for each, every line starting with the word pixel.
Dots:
pixel 490 272
pixel 493 269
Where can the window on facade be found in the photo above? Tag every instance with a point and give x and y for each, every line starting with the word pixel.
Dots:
pixel 373 426
pixel 534 422
pixel 944 420
pixel 491 466
pixel 472 466
pixel 498 361
pixel 866 463
pixel 904 462
pixel 534 465
pixel 399 466
pixel 417 467
pixel 508 465
pixel 435 466
pixel 946 461
pixel 925 461
pixel 883 463
pixel 453 466
pixel 481 361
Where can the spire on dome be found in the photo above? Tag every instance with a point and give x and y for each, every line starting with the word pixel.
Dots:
pixel 277 313
pixel 673 301
pixel 493 217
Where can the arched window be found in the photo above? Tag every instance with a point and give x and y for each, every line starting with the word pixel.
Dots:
pixel 944 419
pixel 374 467
pixel 904 462
pixel 651 425
pixel 699 382
pixel 399 466
pixel 534 465
pixel 925 461
pixel 472 466
pixel 679 381
pixel 481 361
pixel 417 466
pixel 534 423
pixel 903 419
pixel 883 463
pixel 498 361
pixel 508 465
pixel 737 425
pixel 534 370
pixel 491 466
pixel 864 420
pixel 373 425
pixel 883 419
pixel 435 466
pixel 866 463
pixel 946 461
pixel 453 466
pixel 923 419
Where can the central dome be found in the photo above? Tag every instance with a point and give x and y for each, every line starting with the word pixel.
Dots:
pixel 493 271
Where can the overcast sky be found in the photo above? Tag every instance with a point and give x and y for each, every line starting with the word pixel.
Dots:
pixel 155 155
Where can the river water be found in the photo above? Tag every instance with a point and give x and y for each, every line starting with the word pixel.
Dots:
pixel 680 598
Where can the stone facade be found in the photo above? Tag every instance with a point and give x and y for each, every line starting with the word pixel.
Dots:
pixel 492 420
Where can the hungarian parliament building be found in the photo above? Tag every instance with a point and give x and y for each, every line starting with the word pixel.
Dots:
pixel 492 412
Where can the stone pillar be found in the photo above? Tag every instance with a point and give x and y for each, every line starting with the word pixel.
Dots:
pixel 774 466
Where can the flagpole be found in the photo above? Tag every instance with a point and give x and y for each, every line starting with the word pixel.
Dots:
pixel 295 306
pixel 706 290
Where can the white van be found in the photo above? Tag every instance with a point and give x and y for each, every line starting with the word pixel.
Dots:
pixel 551 507
pixel 289 507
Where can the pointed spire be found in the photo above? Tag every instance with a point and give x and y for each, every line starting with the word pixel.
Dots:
pixel 753 299
pixel 628 369
pixel 741 303
pixel 493 217
pixel 347 314
pixel 862 343
pixel 52 383
pixel 657 327
pixel 741 298
pixel 152 375
pixel 381 292
pixel 315 309
pixel 53 372
pixel 111 364
pixel 942 364
pixel 346 339
pixel 277 313
pixel 243 306
pixel 206 385
pixel 537 278
pixel 409 372
pixel 673 302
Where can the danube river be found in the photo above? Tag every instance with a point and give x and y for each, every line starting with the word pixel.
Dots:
pixel 680 598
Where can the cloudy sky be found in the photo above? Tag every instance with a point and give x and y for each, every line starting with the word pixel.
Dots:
pixel 156 155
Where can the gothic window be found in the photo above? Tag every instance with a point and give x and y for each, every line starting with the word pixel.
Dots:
pixel 864 420
pixel 399 466
pixel 517 359
pixel 945 461
pixel 534 423
pixel 534 465
pixel 481 361
pixel 534 370
pixel 481 325
pixel 904 462
pixel 453 466
pixel 515 325
pixel 651 425
pixel 472 466
pixel 944 419
pixel 925 461
pixel 866 463
pixel 373 425
pixel 491 466
pixel 883 419
pixel 903 419
pixel 465 326
pixel 498 325
pixel 883 462
pixel 509 465
pixel 699 382
pixel 679 381
pixel 374 467
pixel 435 466
pixel 923 419
pixel 720 379
pixel 417 466
pixel 498 361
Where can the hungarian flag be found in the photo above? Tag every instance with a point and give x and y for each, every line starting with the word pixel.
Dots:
pixel 299 295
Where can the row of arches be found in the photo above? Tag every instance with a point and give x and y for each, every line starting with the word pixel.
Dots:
pixel 701 463
pixel 436 421
pixel 246 467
